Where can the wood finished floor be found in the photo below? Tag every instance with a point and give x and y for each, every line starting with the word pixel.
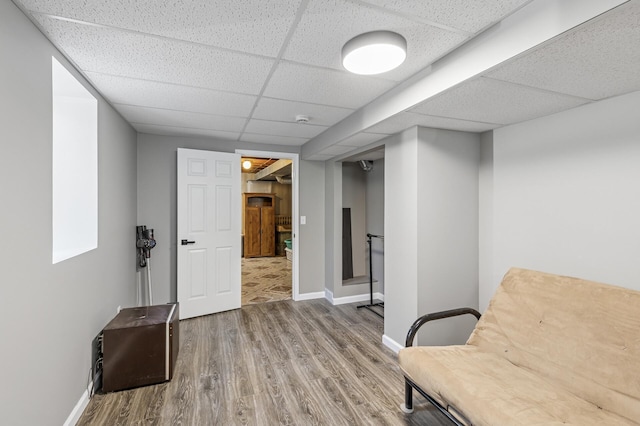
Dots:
pixel 289 363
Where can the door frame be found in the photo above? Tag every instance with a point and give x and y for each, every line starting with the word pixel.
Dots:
pixel 295 208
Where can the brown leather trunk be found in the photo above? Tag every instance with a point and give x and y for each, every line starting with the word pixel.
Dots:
pixel 140 347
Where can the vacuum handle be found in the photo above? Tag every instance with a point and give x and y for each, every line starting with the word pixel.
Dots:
pixel 185 242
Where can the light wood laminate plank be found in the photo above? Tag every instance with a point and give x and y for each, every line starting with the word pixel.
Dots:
pixel 287 363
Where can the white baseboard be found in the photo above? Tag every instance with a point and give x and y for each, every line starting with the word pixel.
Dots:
pixel 351 299
pixel 391 344
pixel 78 410
pixel 328 295
pixel 310 296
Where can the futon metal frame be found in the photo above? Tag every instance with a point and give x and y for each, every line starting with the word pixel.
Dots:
pixel 409 385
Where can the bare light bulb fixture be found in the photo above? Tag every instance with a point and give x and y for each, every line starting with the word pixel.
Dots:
pixel 375 52
pixel 246 164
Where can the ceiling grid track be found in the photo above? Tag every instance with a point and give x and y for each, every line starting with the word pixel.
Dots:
pixel 242 71
pixel 283 48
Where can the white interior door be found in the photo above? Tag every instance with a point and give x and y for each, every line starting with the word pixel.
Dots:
pixel 209 236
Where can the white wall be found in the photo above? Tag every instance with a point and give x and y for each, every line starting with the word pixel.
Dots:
pixel 52 312
pixel 567 194
pixel 157 205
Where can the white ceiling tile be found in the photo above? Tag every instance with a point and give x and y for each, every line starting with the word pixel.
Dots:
pixel 406 120
pixel 322 86
pixel 341 150
pixel 465 15
pixel 122 90
pixel 491 101
pixel 166 117
pixel 278 128
pixel 148 57
pixel 320 157
pixel 272 139
pixel 338 21
pixel 228 24
pixel 184 131
pixel 279 110
pixel 362 139
pixel 126 54
pixel 599 59
pixel 338 149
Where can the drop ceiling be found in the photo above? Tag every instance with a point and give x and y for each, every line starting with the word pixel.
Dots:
pixel 242 70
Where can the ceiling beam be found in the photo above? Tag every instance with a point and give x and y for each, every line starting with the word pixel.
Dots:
pixel 276 169
pixel 535 23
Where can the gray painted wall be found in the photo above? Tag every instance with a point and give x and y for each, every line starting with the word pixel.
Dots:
pixel 157 205
pixel 312 235
pixel 339 179
pixel 566 194
pixel 431 231
pixel 400 226
pixel 375 220
pixel 333 226
pixel 485 220
pixel 354 191
pixel 447 230
pixel 52 312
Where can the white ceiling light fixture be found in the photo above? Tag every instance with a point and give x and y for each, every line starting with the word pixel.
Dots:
pixel 246 164
pixel 375 52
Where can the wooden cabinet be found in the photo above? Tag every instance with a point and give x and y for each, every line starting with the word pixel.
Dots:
pixel 259 225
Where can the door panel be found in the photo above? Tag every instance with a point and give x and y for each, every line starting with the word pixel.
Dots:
pixel 252 232
pixel 197 270
pixel 209 225
pixel 196 208
pixel 268 232
pixel 223 257
pixel 223 208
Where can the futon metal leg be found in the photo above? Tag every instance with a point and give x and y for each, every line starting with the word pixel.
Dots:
pixel 407 407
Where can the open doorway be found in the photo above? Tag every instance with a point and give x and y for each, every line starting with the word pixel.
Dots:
pixel 362 181
pixel 267 229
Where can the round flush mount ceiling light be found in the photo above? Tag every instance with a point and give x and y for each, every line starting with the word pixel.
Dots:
pixel 246 164
pixel 374 52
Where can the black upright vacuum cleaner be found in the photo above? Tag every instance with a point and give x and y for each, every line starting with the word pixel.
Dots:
pixel 144 243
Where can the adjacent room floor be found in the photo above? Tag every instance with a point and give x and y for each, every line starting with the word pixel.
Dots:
pixel 294 363
pixel 265 279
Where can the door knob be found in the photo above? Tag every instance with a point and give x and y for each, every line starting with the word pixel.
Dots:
pixel 185 242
